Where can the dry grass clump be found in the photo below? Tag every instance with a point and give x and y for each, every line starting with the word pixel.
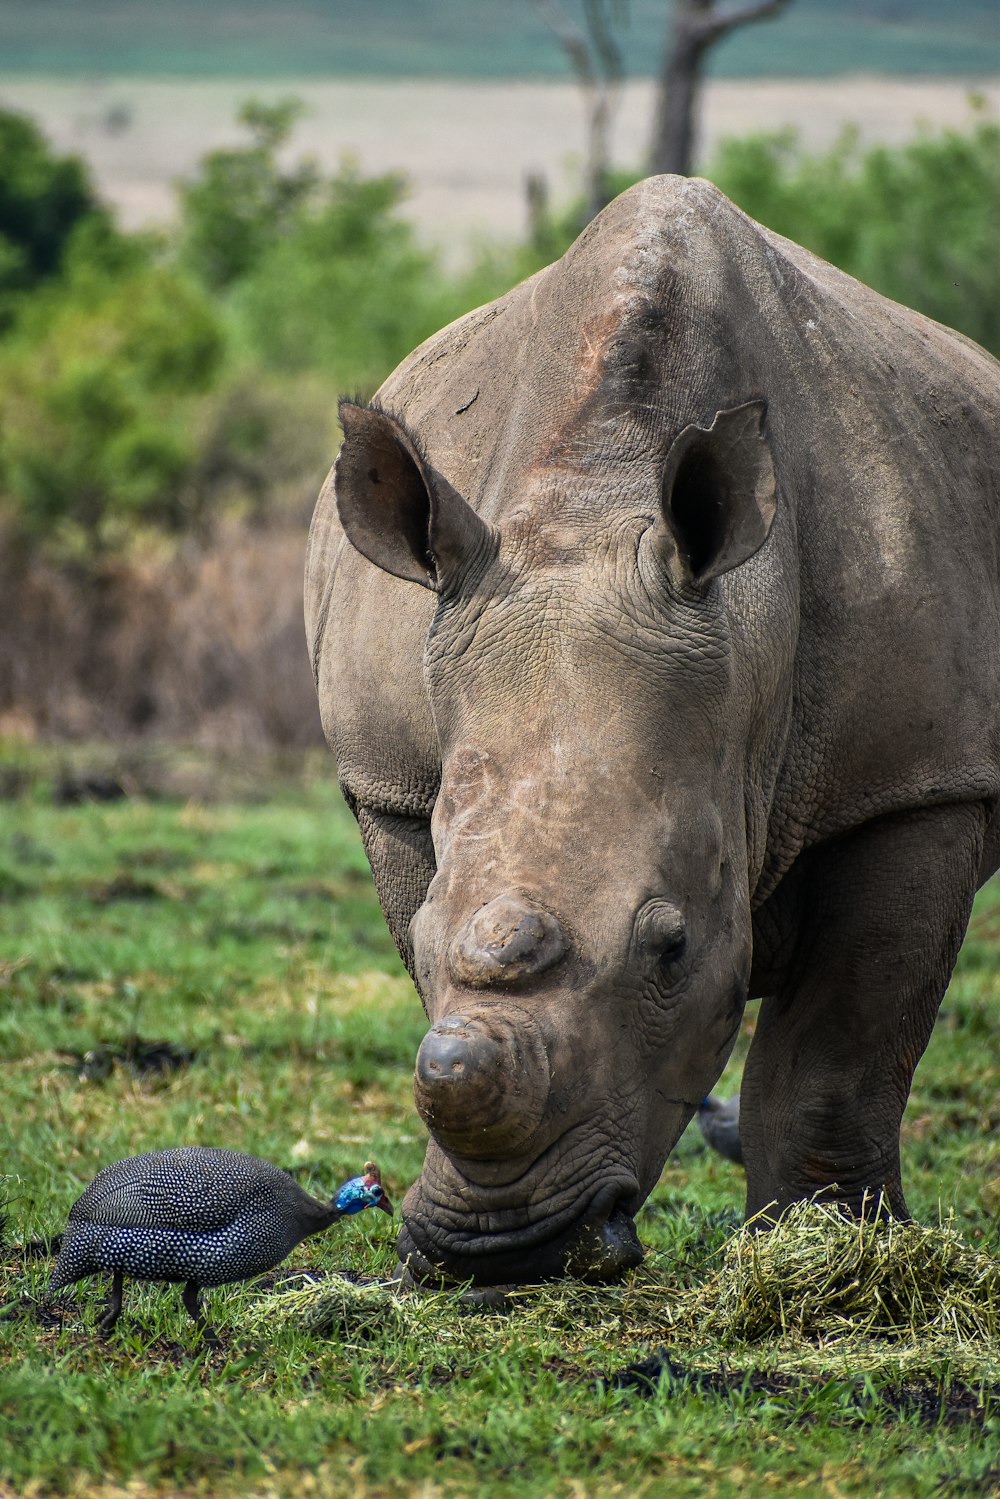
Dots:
pixel 818 1274
pixel 819 1293
pixel 203 643
pixel 357 1313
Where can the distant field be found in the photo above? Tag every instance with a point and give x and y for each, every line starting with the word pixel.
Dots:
pixel 488 39
pixel 466 148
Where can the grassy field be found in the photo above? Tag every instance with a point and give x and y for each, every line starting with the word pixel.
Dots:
pixel 227 913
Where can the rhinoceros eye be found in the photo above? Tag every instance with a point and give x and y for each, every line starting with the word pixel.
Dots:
pixel 662 935
pixel 672 950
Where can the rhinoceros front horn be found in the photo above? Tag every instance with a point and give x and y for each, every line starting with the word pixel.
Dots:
pixel 395 508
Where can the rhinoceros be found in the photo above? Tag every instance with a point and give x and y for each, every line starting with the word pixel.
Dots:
pixel 654 615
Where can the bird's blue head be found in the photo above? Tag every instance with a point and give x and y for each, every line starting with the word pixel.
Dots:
pixel 363 1192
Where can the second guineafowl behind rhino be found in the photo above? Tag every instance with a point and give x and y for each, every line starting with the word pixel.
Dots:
pixel 196 1215
pixel 719 1122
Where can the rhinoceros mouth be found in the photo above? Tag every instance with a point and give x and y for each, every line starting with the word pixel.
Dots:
pixel 595 1242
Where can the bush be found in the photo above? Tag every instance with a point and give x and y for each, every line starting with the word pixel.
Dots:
pixel 195 643
pixel 44 199
pixel 243 202
pixel 919 223
pixel 125 407
pixel 99 383
pixel 150 389
pixel 314 274
pixel 346 292
pixel 263 445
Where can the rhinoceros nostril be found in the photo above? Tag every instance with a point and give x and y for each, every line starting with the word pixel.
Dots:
pixel 482 1079
pixel 450 1051
pixel 504 943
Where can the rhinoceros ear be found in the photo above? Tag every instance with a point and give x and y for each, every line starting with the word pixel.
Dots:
pixel 394 507
pixel 718 494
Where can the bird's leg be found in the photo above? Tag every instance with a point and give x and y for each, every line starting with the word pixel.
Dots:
pixel 189 1296
pixel 114 1308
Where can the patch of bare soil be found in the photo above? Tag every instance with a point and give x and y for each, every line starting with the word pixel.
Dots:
pixel 931 1403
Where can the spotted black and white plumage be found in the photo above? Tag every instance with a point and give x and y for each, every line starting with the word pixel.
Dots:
pixel 719 1122
pixel 198 1215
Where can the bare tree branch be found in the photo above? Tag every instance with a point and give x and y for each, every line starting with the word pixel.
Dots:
pixel 599 29
pixel 596 59
pixel 571 39
pixel 713 28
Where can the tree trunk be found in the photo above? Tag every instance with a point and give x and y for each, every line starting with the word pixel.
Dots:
pixel 677 100
pixel 697 26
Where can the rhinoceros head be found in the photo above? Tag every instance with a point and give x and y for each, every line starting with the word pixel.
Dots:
pixel 583 950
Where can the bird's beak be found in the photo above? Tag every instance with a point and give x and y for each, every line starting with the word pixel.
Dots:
pixel 385 1205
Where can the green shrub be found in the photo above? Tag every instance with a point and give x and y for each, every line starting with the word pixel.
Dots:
pixel 920 223
pixel 125 404
pixel 242 201
pixel 98 385
pixel 263 443
pixel 314 274
pixel 149 384
pixel 44 199
pixel 346 292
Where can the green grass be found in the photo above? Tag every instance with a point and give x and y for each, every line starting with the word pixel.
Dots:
pixel 230 912
pixel 490 39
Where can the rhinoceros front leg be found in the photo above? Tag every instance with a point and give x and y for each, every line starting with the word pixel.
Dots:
pixel 881 915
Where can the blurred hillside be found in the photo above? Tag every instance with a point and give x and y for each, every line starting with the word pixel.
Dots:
pixel 466 149
pixel 487 39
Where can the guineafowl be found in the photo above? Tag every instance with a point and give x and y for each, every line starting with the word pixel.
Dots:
pixel 198 1215
pixel 719 1122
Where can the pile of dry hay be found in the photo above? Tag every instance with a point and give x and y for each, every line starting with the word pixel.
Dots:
pixel 815 1292
pixel 819 1274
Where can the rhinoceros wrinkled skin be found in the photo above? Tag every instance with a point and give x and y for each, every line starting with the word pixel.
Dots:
pixel 654 615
